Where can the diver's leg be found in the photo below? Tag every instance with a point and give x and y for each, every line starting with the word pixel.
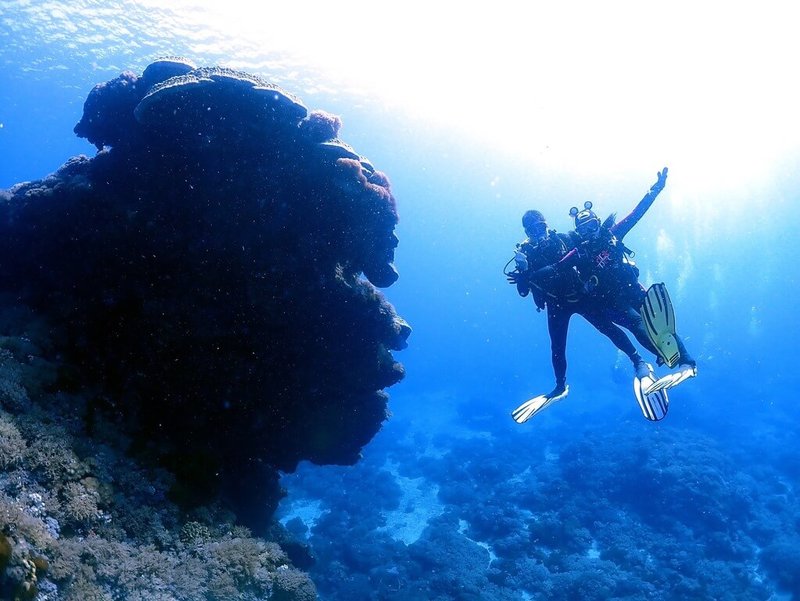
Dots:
pixel 558 326
pixel 685 358
pixel 604 325
pixel 631 320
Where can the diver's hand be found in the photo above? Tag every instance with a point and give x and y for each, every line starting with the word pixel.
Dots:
pixel 515 277
pixel 660 182
pixel 518 278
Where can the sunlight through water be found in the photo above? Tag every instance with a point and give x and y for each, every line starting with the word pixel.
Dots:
pixel 579 87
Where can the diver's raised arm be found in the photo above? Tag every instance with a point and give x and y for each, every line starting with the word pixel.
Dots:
pixel 622 227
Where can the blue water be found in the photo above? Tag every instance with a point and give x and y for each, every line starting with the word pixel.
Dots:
pixel 452 499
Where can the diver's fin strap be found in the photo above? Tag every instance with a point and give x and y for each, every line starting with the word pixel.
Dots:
pixel 533 406
pixel 654 406
pixel 659 322
pixel 673 379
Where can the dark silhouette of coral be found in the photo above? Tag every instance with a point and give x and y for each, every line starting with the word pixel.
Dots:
pixel 203 273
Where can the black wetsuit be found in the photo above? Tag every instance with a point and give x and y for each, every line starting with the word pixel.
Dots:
pixel 612 278
pixel 561 291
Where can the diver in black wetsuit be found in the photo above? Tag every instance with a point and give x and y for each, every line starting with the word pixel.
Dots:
pixel 610 276
pixel 561 292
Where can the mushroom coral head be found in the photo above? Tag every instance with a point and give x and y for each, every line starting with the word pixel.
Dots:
pixel 164 68
pixel 108 111
pixel 320 126
pixel 201 98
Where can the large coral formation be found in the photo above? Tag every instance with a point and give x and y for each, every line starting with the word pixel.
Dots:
pixel 201 275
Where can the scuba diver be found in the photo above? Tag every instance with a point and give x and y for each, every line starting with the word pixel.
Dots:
pixel 611 279
pixel 561 292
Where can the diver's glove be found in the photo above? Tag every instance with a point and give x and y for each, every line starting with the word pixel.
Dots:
pixel 660 182
pixel 521 281
pixel 515 277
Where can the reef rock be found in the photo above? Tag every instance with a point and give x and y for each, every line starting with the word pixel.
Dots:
pixel 203 274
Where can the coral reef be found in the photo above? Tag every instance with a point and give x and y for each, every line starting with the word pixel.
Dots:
pixel 200 281
pixel 81 520
pixel 602 511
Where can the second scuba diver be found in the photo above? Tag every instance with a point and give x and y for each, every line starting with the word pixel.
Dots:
pixel 613 292
pixel 562 293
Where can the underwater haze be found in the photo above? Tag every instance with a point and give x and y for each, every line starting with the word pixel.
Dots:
pixel 476 115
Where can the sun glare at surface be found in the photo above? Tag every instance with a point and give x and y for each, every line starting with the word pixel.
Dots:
pixel 579 87
pixel 574 86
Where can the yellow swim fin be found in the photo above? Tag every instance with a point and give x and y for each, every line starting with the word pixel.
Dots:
pixel 659 321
